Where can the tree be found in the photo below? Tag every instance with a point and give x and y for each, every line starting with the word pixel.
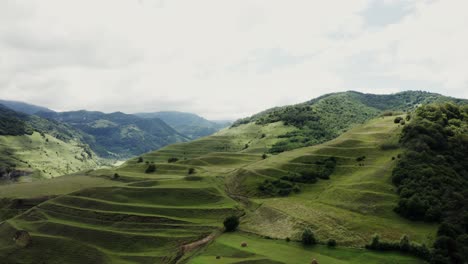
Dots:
pixel 331 242
pixel 171 160
pixel 308 237
pixel 140 160
pixel 151 168
pixel 397 119
pixel 264 156
pixel 231 223
pixel 405 243
pixel 191 171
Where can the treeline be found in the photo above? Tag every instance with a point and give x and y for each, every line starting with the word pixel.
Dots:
pixel 432 177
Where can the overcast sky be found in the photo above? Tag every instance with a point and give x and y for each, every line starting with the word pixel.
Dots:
pixel 226 59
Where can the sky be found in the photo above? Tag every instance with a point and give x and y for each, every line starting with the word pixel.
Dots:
pixel 226 59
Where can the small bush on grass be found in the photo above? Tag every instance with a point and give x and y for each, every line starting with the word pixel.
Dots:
pixel 231 223
pixel 151 168
pixel 308 237
pixel 331 242
pixel 171 160
pixel 397 119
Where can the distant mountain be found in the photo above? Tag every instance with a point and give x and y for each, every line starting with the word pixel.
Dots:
pixel 191 125
pixel 24 107
pixel 119 135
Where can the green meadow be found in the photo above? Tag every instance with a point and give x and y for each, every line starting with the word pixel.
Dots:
pixel 129 215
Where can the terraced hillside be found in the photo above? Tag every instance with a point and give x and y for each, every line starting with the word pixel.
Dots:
pixel 354 204
pixel 167 215
pixel 136 222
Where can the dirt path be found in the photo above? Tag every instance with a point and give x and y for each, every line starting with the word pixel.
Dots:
pixel 194 245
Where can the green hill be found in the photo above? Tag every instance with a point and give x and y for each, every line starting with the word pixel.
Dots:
pixel 118 135
pixel 188 124
pixel 145 209
pixel 328 116
pixel 168 206
pixel 30 145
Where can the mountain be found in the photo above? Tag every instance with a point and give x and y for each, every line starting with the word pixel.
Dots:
pixel 30 145
pixel 328 116
pixel 118 135
pixel 191 125
pixel 24 107
pixel 368 195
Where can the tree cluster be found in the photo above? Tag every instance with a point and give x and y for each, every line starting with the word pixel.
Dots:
pixel 432 176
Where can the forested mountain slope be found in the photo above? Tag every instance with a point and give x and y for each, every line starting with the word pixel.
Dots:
pixel 188 124
pixel 328 116
pixel 119 135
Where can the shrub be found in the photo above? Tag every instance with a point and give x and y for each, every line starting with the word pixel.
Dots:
pixel 397 119
pixel 404 243
pixel 288 239
pixel 191 171
pixel 116 176
pixel 231 223
pixel 264 156
pixel 151 168
pixel 140 160
pixel 171 160
pixel 331 242
pixel 308 237
pixel 402 122
pixel 360 158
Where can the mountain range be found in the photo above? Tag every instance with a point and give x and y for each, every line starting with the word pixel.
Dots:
pixel 343 178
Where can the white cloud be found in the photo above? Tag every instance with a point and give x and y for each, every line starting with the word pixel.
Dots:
pixel 224 59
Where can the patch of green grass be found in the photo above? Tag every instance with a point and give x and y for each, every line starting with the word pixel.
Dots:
pixel 260 250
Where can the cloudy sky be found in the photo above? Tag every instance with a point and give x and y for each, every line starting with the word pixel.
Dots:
pixel 226 59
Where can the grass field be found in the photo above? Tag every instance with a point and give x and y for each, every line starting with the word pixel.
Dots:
pixel 141 217
pixel 259 250
pixel 356 203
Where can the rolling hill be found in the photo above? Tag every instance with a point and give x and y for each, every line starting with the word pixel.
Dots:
pixel 188 124
pixel 30 145
pixel 168 206
pixel 33 146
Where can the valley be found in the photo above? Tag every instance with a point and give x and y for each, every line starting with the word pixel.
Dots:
pixel 168 205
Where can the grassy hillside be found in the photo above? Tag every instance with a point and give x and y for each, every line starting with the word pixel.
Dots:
pixel 44 156
pixel 228 249
pixel 188 124
pixel 118 135
pixel 168 206
pixel 30 145
pixel 147 217
pixel 326 117
pixel 355 203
